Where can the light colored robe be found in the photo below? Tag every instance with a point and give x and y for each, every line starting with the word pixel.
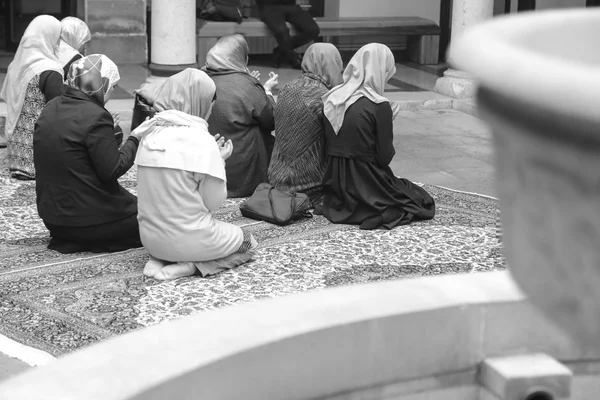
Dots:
pixel 174 214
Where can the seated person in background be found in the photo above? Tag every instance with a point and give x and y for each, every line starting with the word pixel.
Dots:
pixel 34 77
pixel 275 13
pixel 359 186
pixel 243 112
pixel 74 36
pixel 78 163
pixel 181 181
pixel 299 160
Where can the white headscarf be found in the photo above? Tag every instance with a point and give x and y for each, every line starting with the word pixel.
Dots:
pixel 93 75
pixel 230 53
pixel 181 139
pixel 365 76
pixel 325 61
pixel 36 54
pixel 75 33
pixel 109 70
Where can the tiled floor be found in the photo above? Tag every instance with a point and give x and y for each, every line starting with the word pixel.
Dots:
pixel 444 147
pixel 10 367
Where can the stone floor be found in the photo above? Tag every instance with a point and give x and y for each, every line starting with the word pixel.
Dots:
pixel 434 143
pixel 444 147
pixel 10 367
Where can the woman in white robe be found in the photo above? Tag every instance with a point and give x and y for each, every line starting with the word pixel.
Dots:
pixel 181 180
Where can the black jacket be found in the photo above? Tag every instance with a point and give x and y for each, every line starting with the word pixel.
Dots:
pixel 77 163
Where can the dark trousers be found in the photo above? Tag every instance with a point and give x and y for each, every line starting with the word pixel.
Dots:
pixel 109 237
pixel 275 17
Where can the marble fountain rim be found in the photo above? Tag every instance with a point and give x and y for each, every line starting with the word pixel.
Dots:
pixel 538 121
pixel 537 87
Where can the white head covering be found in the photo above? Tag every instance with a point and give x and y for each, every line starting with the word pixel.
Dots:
pixel 230 53
pixel 365 76
pixel 94 75
pixel 109 70
pixel 325 61
pixel 36 54
pixel 181 139
pixel 190 91
pixel 75 33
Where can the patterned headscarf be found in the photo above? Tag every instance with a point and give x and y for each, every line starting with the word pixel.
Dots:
pixel 365 76
pixel 109 71
pixel 324 60
pixel 75 33
pixel 93 75
pixel 36 54
pixel 230 53
pixel 190 91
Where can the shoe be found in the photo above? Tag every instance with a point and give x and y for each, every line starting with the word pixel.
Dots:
pixel 278 57
pixel 296 64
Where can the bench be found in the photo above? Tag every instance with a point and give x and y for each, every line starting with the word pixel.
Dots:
pixel 423 34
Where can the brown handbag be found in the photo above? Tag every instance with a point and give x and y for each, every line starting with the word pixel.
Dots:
pixel 276 206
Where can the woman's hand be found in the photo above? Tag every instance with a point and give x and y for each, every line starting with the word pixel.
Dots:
pixel 226 149
pixel 272 82
pixel 255 74
pixel 116 118
pixel 144 129
pixel 220 140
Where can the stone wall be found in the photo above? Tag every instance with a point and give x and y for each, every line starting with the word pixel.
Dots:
pixel 118 30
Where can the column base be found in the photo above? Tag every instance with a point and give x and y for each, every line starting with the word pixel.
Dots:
pixel 456 84
pixel 162 70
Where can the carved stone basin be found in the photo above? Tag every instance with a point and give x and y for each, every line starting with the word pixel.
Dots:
pixel 539 77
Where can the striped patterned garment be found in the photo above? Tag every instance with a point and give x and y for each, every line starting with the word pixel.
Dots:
pixel 299 160
pixel 499 228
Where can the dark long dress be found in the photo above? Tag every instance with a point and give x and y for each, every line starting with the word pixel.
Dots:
pixel 359 185
pixel 298 162
pixel 243 112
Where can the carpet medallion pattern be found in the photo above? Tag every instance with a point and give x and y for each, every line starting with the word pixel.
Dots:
pixel 60 303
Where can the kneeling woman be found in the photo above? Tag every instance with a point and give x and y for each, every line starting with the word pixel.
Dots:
pixel 359 185
pixel 243 112
pixel 78 163
pixel 181 180
pixel 299 160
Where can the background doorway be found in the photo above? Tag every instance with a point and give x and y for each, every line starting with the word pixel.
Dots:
pixel 17 14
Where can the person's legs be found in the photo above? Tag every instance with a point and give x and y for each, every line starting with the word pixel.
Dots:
pixel 307 29
pixel 109 237
pixel 244 254
pixel 274 17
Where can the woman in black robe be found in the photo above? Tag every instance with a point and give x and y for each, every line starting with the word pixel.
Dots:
pixel 78 164
pixel 359 185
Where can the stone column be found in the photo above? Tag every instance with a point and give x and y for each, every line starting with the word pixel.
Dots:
pixel 172 37
pixel 465 14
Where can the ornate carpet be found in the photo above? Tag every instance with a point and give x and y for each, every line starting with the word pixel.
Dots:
pixel 59 303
